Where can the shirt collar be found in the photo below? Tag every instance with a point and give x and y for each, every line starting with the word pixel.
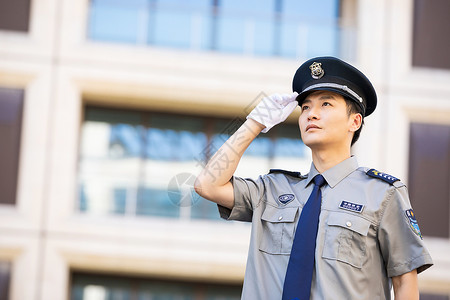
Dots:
pixel 335 174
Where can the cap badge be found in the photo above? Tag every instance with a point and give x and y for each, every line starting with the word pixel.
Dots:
pixel 316 70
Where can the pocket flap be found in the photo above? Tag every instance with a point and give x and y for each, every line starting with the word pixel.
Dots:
pixel 349 221
pixel 279 214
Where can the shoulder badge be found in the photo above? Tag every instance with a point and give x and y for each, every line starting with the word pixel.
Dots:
pixel 383 176
pixel 289 173
pixel 413 222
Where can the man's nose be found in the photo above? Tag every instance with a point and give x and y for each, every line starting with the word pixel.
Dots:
pixel 313 113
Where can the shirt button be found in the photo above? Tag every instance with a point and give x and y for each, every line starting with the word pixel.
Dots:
pixel 280 218
pixel 349 224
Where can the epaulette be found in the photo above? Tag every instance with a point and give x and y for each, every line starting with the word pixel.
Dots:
pixel 289 173
pixel 383 176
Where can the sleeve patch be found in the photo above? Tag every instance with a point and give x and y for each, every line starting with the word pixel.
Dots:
pixel 383 176
pixel 413 222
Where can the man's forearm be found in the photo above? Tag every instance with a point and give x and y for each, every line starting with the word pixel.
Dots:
pixel 223 164
pixel 213 183
pixel 406 286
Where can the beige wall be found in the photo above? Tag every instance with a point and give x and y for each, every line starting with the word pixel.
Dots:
pixel 59 69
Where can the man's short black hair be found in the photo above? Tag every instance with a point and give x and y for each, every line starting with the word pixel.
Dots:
pixel 354 108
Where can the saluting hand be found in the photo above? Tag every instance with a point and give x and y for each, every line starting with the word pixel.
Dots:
pixel 273 110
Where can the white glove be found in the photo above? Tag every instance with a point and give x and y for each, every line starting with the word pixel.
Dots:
pixel 273 110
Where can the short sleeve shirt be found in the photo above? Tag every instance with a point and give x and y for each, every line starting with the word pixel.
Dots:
pixel 367 232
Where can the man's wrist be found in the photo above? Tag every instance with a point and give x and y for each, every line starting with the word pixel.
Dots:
pixel 254 126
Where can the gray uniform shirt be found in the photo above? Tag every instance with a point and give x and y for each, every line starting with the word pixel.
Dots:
pixel 367 232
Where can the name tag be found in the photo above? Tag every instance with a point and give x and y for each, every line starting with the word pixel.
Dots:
pixel 351 206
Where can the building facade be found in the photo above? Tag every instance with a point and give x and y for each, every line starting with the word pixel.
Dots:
pixel 108 109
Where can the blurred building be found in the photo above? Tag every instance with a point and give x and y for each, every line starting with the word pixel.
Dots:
pixel 108 108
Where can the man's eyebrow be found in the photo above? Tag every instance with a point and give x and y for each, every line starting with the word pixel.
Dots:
pixel 306 101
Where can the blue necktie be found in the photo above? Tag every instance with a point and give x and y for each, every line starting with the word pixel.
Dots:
pixel 297 283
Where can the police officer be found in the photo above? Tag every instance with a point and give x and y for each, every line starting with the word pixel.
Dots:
pixel 339 232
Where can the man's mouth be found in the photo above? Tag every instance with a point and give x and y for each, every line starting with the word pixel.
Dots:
pixel 312 126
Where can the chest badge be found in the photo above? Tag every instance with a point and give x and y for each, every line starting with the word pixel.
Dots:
pixel 358 208
pixel 286 198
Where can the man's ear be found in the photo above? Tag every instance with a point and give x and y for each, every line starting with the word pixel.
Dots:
pixel 356 121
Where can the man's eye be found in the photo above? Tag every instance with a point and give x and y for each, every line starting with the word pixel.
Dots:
pixel 326 104
pixel 305 107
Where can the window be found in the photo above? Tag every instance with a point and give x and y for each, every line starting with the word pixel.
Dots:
pixel 106 287
pixel 14 15
pixel 11 107
pixel 430 47
pixel 429 176
pixel 144 163
pixel 288 28
pixel 5 277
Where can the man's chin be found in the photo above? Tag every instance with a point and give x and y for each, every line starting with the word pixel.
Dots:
pixel 312 142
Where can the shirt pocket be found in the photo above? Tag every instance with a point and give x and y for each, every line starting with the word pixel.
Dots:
pixel 346 238
pixel 278 225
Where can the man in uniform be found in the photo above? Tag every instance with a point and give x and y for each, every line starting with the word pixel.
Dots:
pixel 339 232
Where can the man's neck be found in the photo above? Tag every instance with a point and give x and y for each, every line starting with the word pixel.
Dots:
pixel 325 159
